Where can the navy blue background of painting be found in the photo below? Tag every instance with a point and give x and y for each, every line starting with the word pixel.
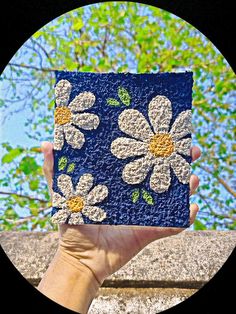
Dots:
pixel 172 207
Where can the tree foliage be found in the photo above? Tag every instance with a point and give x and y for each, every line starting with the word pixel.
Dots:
pixel 117 37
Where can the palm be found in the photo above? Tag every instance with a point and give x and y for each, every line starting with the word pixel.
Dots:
pixel 105 249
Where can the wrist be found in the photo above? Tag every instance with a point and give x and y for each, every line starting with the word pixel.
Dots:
pixel 85 271
pixel 69 283
pixel 80 254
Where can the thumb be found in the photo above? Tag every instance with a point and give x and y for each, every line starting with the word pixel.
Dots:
pixel 47 150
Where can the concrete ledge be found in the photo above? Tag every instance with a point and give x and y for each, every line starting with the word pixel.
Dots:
pixel 186 260
pixel 163 274
pixel 137 301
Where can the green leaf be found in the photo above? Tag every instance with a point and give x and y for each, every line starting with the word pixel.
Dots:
pixel 78 25
pixel 198 225
pixel 28 165
pixel 7 146
pixel 147 197
pixel 124 95
pixel 62 163
pixel 51 104
pixel 37 34
pixel 71 168
pixel 34 211
pixel 34 184
pixel 13 153
pixel 87 68
pixel 113 102
pixel 135 195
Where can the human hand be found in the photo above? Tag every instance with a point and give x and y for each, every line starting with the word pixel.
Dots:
pixel 103 249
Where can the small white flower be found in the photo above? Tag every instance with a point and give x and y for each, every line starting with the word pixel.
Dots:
pixel 66 116
pixel 159 147
pixel 78 201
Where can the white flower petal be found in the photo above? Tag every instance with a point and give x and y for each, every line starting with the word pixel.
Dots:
pixel 124 147
pixel 136 171
pixel 82 102
pixel 183 146
pixel 84 185
pixel 64 183
pixel 182 125
pixel 86 121
pixel 160 179
pixel 133 123
pixel 160 114
pixel 62 92
pixel 76 219
pixel 58 137
pixel 97 194
pixel 180 167
pixel 94 213
pixel 57 200
pixel 60 216
pixel 73 136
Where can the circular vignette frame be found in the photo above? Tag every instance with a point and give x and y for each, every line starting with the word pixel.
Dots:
pixel 202 15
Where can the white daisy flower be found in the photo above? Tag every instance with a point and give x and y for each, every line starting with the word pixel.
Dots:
pixel 78 201
pixel 66 116
pixel 159 147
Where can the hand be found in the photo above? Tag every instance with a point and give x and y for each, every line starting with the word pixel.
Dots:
pixel 103 249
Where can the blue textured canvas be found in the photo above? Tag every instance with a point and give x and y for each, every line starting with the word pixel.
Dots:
pixel 122 148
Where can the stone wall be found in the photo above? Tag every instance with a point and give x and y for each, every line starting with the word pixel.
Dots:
pixel 163 274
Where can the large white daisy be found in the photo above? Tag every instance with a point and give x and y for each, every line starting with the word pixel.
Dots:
pixel 79 200
pixel 66 116
pixel 159 147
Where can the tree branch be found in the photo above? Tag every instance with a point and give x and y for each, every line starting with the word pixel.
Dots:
pixel 44 50
pixel 103 47
pixel 28 218
pixel 202 113
pixel 24 196
pixel 212 211
pixel 220 180
pixel 31 67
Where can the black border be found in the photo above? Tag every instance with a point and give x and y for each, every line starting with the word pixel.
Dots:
pixel 19 20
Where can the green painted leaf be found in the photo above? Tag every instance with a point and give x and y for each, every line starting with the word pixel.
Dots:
pixel 13 153
pixel 62 163
pixel 147 198
pixel 71 168
pixel 113 102
pixel 124 95
pixel 135 195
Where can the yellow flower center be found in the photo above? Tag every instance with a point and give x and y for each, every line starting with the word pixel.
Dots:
pixel 62 115
pixel 161 145
pixel 76 204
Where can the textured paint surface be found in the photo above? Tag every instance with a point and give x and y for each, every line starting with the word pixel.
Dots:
pixel 126 204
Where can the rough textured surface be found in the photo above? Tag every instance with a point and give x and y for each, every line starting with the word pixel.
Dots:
pixel 137 301
pixel 164 274
pixel 188 259
pixel 135 106
pixel 79 200
pixel 65 116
